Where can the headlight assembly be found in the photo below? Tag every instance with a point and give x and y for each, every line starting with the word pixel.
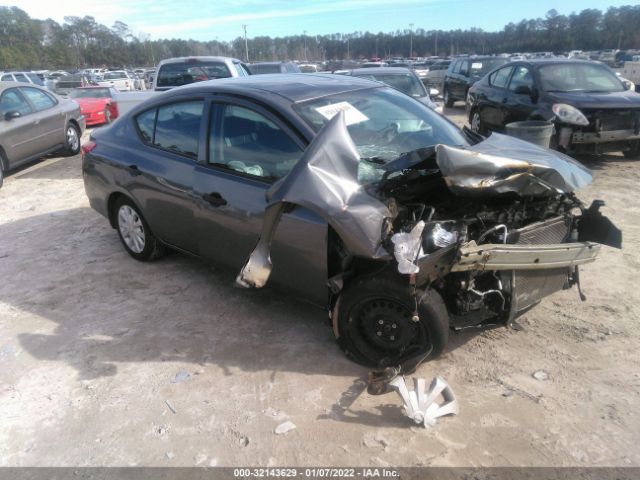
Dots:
pixel 568 114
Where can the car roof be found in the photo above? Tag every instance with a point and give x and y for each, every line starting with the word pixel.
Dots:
pixel 197 58
pixel 547 61
pixel 385 70
pixel 295 87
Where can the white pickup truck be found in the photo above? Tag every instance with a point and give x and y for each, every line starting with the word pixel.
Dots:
pixel 118 79
pixel 175 72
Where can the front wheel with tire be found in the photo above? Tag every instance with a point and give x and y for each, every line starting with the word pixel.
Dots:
pixel 72 140
pixel 634 151
pixel 374 325
pixel 134 232
pixel 448 101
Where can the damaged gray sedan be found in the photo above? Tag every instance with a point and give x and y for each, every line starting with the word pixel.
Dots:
pixel 351 195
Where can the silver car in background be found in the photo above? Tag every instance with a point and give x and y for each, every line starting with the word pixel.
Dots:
pixel 35 122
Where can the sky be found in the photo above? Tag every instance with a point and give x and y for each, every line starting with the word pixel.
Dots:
pixel 223 19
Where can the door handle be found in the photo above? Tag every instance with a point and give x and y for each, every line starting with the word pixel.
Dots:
pixel 134 170
pixel 214 199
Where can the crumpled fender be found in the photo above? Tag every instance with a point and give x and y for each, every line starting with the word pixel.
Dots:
pixel 325 181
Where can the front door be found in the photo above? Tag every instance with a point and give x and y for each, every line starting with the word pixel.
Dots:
pixel 16 131
pixel 249 149
pixel 48 129
pixel 521 105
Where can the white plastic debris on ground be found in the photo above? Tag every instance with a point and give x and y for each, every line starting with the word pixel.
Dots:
pixel 408 248
pixel 422 406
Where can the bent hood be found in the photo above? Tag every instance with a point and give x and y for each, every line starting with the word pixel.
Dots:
pixel 502 164
pixel 605 100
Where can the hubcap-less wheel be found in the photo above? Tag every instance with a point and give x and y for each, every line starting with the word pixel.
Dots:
pixel 475 122
pixel 72 139
pixel 131 228
pixel 107 116
pixel 384 327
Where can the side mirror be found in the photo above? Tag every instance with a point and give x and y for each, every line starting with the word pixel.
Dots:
pixel 10 115
pixel 523 90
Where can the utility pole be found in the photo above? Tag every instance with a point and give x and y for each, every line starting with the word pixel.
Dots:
pixel 376 47
pixel 411 41
pixel 436 47
pixel 305 45
pixel 348 55
pixel 246 45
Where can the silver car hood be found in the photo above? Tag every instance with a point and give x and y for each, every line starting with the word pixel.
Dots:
pixel 503 164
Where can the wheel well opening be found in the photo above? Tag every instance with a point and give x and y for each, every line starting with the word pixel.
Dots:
pixel 113 199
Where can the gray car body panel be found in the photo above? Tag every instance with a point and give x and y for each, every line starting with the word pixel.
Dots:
pixel 37 133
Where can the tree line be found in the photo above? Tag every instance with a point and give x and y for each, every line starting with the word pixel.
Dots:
pixel 28 43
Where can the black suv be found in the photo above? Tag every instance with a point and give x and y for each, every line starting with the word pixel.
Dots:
pixel 464 72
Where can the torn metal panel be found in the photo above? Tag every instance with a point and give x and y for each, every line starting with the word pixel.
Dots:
pixel 325 182
pixel 502 164
pixel 524 257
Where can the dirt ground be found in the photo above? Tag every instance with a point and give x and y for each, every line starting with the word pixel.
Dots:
pixel 105 361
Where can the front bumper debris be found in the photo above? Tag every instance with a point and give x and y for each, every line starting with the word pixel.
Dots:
pixel 524 257
pixel 604 136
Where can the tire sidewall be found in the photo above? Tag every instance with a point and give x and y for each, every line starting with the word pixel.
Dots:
pixel 68 148
pixel 149 244
pixel 432 311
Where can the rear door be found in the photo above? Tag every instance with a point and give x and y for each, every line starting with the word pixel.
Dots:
pixel 48 128
pixel 520 104
pixel 160 176
pixel 250 148
pixel 16 132
pixel 494 106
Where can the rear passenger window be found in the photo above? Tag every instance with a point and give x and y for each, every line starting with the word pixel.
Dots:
pixel 178 127
pixel 251 144
pixel 174 127
pixel 500 77
pixel 146 123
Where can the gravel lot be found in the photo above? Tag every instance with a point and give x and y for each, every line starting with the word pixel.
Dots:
pixel 106 361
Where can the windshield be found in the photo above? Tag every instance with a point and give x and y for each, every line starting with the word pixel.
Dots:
pixel 579 77
pixel 482 66
pixel 90 93
pixel 383 124
pixel 177 74
pixel 405 82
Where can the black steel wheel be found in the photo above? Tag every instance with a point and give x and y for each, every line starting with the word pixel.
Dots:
pixel 374 325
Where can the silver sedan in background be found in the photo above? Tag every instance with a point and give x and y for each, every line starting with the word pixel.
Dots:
pixel 35 122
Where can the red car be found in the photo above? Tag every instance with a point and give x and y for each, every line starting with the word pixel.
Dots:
pixel 97 104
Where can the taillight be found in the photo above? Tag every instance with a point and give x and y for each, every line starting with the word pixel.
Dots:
pixel 88 147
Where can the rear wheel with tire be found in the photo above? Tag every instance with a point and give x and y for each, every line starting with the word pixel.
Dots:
pixel 634 151
pixel 476 123
pixel 448 101
pixel 72 140
pixel 107 115
pixel 134 232
pixel 2 167
pixel 374 325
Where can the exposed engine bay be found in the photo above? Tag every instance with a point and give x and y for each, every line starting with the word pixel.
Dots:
pixel 488 229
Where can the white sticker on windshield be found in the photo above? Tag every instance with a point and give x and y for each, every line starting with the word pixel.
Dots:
pixel 476 65
pixel 351 114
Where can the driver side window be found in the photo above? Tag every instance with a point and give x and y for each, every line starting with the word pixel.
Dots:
pixel 249 143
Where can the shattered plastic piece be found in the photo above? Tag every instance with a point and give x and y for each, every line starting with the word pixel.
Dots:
pixel 181 376
pixel 407 248
pixel 325 182
pixel 420 405
pixel 541 375
pixel 285 427
pixel 502 164
pixel 442 237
